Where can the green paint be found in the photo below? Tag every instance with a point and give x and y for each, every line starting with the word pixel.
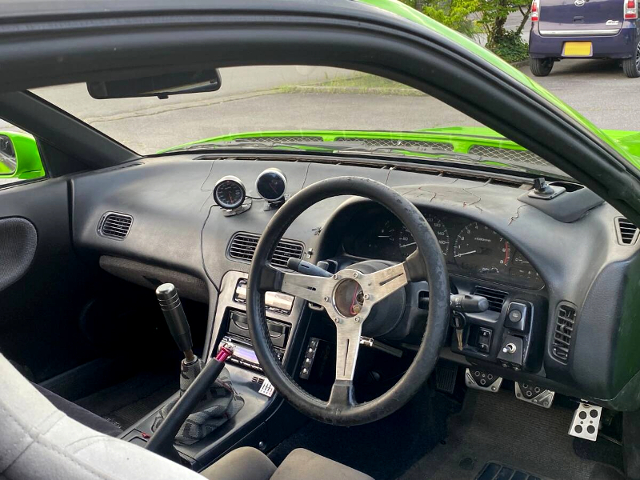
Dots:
pixel 28 161
pixel 398 8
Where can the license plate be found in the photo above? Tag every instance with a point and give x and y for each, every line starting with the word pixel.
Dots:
pixel 577 49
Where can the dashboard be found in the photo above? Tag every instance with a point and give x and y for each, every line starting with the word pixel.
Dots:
pixel 563 259
pixel 470 247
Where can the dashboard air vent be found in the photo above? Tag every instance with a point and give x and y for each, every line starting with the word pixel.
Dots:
pixel 565 321
pixel 115 225
pixel 627 231
pixel 243 246
pixel 495 297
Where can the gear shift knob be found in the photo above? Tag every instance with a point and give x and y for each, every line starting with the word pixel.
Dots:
pixel 176 319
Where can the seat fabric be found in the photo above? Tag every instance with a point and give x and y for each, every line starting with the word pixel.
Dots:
pixel 250 464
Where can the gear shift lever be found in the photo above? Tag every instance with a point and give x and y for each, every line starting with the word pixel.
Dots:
pixel 176 319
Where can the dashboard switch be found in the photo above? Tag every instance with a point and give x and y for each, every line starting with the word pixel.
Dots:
pixel 484 339
pixel 517 317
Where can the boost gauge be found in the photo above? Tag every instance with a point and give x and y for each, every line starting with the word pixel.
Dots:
pixel 229 192
pixel 271 185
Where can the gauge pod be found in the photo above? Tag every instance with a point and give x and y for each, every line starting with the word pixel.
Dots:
pixel 271 185
pixel 229 192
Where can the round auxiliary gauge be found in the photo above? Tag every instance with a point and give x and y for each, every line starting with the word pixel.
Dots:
pixel 271 184
pixel 229 192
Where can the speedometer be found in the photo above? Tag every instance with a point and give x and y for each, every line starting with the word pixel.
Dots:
pixel 480 249
pixel 440 229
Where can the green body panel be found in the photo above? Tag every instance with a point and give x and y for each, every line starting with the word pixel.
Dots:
pixel 398 8
pixel 28 161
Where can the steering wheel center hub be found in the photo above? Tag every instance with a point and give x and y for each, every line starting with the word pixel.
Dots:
pixel 348 298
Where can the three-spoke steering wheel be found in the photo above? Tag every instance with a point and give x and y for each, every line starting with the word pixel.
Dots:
pixel 348 297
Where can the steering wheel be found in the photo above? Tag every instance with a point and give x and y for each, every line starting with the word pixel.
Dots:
pixel 348 297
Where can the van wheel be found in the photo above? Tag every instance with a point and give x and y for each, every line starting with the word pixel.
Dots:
pixel 631 66
pixel 541 67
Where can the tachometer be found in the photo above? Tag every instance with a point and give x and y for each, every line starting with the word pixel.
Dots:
pixel 480 249
pixel 229 192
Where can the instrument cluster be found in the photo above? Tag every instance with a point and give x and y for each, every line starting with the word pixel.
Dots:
pixel 470 247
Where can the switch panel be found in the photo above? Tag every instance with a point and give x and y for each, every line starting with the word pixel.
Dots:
pixel 517 317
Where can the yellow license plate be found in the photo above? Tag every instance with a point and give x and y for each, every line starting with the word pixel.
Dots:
pixel 577 49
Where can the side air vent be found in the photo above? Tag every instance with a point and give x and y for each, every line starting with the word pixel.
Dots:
pixel 495 297
pixel 565 321
pixel 627 232
pixel 115 225
pixel 243 246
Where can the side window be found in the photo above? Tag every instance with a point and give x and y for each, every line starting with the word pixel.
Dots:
pixel 19 156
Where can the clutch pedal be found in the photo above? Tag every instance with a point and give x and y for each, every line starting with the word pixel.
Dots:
pixel 586 421
pixel 487 382
pixel 534 394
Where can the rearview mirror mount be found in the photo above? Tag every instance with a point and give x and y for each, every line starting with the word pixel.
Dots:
pixel 161 86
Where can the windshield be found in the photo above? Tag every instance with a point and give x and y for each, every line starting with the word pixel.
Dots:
pixel 303 108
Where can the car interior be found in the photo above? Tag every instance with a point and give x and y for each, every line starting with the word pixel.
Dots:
pixel 254 311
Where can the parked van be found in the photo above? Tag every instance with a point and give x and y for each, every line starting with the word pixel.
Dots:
pixel 584 29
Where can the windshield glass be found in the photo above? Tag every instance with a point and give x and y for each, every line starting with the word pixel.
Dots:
pixel 300 107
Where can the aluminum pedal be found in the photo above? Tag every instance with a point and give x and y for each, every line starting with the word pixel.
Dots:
pixel 586 421
pixel 487 382
pixel 534 394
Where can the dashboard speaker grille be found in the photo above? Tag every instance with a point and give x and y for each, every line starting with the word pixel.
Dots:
pixel 243 245
pixel 115 225
pixel 565 321
pixel 627 232
pixel 494 297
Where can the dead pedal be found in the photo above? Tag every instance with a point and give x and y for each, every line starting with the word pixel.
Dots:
pixel 533 394
pixel 586 421
pixel 487 382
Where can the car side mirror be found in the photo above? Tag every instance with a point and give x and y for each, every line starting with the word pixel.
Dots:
pixel 19 157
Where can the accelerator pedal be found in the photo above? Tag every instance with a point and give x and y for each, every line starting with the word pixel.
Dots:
pixel 586 421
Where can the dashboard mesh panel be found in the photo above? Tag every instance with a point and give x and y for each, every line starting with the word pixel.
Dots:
pixel 565 322
pixel 494 297
pixel 268 140
pixel 627 231
pixel 115 225
pixel 498 153
pixel 389 142
pixel 243 245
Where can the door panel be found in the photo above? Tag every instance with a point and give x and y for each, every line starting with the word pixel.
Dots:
pixel 43 284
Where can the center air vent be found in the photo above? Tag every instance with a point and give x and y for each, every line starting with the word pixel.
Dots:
pixel 243 246
pixel 565 321
pixel 627 232
pixel 495 297
pixel 115 225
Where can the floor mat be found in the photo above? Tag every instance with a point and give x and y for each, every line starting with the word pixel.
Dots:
pixel 499 428
pixel 127 402
pixel 382 449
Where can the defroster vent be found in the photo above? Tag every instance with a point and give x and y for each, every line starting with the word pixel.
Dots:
pixel 627 232
pixel 243 246
pixel 115 225
pixel 565 322
pixel 495 297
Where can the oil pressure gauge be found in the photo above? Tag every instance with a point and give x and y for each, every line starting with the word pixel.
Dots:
pixel 229 192
pixel 271 185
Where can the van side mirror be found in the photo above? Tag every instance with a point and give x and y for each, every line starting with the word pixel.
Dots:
pixel 19 157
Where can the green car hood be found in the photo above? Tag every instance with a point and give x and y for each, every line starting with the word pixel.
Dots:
pixel 460 139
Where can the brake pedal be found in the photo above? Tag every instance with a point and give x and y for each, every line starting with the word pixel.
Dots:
pixel 487 382
pixel 586 421
pixel 534 394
